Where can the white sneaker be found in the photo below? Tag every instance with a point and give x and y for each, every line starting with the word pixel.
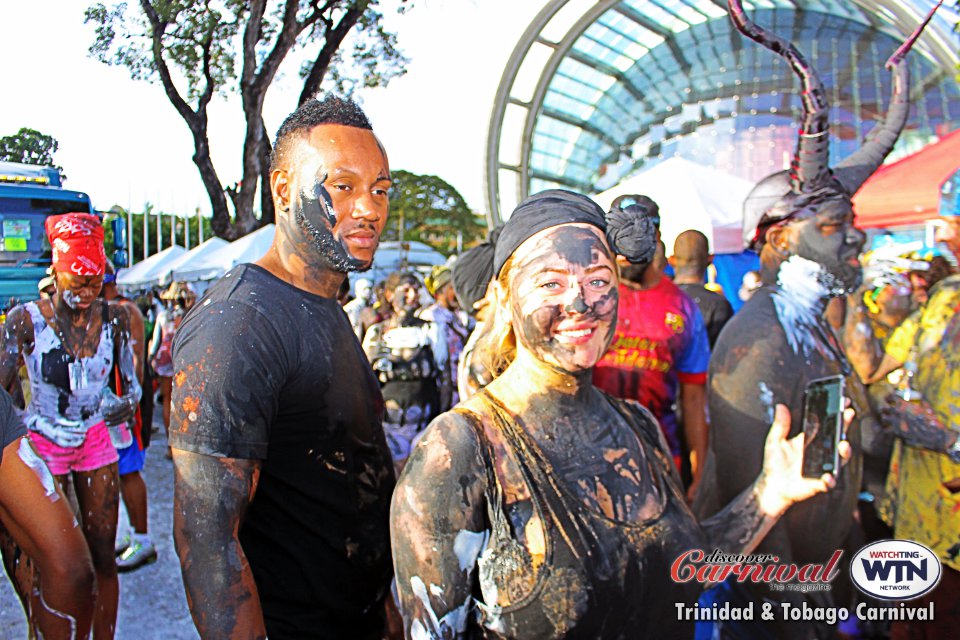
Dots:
pixel 123 541
pixel 136 556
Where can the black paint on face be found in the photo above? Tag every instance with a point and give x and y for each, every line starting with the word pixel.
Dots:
pixel 562 284
pixel 829 238
pixel 406 297
pixel 577 246
pixel 315 218
pixel 577 306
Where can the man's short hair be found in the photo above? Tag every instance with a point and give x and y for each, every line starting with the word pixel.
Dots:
pixel 691 250
pixel 332 109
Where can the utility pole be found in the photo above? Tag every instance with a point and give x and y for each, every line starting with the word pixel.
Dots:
pixel 129 235
pixel 199 225
pixel 146 235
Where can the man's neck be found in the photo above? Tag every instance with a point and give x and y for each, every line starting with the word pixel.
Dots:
pixel 687 277
pixel 294 270
pixel 650 278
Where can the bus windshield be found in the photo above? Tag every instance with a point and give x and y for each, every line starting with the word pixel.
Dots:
pixel 24 239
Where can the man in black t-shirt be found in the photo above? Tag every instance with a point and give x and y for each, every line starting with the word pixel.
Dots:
pixel 283 476
pixel 691 257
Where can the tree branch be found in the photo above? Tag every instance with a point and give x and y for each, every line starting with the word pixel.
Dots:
pixel 335 37
pixel 157 29
pixel 196 120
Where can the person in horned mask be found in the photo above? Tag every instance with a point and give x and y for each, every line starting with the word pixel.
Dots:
pixel 801 222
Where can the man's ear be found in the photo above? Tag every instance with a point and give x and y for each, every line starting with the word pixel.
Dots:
pixel 672 260
pixel 280 186
pixel 777 238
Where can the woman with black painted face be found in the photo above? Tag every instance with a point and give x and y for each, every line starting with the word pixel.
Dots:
pixel 542 507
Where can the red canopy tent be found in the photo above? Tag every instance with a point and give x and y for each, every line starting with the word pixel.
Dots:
pixel 908 191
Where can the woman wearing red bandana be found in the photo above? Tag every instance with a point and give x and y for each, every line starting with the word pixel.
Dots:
pixel 70 344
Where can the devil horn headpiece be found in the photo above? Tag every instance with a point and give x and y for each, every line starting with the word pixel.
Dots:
pixel 810 168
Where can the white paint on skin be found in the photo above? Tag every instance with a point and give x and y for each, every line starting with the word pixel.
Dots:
pixel 468 545
pixel 32 460
pixel 799 302
pixel 411 497
pixel 488 588
pixel 60 614
pixel 766 398
pixel 71 299
pixel 454 621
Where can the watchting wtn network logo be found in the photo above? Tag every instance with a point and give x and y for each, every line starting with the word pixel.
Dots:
pixel 895 569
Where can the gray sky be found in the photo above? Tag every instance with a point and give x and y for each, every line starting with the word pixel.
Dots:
pixel 123 143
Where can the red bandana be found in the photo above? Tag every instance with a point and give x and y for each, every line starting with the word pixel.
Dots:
pixel 77 241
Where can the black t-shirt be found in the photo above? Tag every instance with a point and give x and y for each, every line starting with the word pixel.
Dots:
pixel 11 425
pixel 281 378
pixel 716 309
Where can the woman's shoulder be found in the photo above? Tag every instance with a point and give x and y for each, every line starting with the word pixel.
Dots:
pixel 452 443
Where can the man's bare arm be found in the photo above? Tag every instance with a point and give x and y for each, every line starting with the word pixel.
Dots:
pixel 137 335
pixel 122 408
pixel 211 496
pixel 693 400
pixel 17 332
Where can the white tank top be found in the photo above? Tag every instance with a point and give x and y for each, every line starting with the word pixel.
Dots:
pixel 50 368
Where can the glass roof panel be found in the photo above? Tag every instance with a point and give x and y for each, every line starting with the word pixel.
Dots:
pixel 671 68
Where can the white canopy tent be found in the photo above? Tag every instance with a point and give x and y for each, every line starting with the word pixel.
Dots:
pixel 690 196
pixel 195 254
pixel 213 264
pixel 150 272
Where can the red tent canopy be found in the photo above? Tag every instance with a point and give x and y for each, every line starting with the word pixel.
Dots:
pixel 908 191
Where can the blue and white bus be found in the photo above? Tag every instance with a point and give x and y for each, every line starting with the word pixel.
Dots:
pixel 28 195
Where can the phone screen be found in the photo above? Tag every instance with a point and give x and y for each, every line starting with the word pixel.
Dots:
pixel 822 426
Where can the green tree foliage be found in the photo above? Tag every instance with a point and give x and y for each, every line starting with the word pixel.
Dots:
pixel 29 146
pixel 430 211
pixel 136 239
pixel 200 48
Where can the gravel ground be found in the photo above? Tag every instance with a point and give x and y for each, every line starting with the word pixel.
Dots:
pixel 152 602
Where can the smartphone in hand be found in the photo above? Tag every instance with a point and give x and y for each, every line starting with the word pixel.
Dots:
pixel 822 426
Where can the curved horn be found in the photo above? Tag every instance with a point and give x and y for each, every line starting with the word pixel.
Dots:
pixel 809 168
pixel 854 170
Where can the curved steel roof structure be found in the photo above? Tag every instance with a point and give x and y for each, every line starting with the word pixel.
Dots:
pixel 596 90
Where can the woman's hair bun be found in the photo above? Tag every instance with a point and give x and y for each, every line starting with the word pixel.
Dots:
pixel 632 224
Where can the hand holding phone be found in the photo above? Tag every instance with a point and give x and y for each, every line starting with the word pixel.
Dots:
pixel 822 426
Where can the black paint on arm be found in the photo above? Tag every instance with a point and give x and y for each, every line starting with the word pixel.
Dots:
pixel 210 498
pixel 438 510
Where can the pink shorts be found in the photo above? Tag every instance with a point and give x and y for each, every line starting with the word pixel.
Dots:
pixel 96 451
